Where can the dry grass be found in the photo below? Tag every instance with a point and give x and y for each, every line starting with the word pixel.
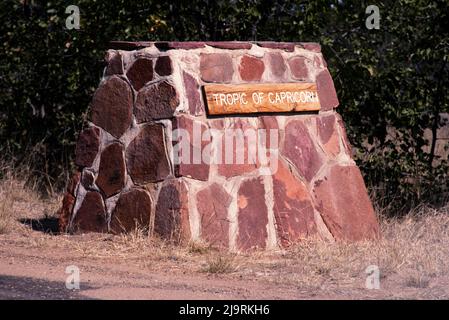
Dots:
pixel 414 248
pixel 220 263
pixel 19 199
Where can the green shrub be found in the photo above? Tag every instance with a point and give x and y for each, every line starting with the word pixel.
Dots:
pixel 393 77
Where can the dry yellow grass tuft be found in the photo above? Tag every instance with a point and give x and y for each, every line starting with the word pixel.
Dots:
pixel 19 198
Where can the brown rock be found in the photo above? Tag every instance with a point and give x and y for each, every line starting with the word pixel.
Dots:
pixel 328 134
pixel 140 72
pixel 311 46
pixel 318 63
pixel 88 179
pixel 231 45
pixel 213 203
pixel 298 67
pixel 91 216
pixel 87 147
pixel 158 101
pixel 115 64
pixel 188 154
pixel 251 68
pixel 163 66
pixel 271 126
pixel 65 212
pixel 146 156
pixel 344 136
pixel 193 94
pixel 252 215
pixel 343 202
pixel 112 106
pixel 326 126
pixel 269 122
pixel 277 65
pixel 216 123
pixel 171 220
pixel 299 148
pixel 185 45
pixel 234 149
pixel 293 208
pixel 129 45
pixel 286 46
pixel 326 91
pixel 73 183
pixel 216 67
pixel 133 210
pixel 111 174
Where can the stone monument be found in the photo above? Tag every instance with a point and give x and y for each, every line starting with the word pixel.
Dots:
pixel 237 144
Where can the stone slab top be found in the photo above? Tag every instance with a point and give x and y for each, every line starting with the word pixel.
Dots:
pixel 230 45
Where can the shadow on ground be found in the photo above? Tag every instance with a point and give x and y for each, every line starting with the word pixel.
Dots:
pixel 26 288
pixel 45 225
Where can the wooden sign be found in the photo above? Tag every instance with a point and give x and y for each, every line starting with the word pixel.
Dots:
pixel 255 98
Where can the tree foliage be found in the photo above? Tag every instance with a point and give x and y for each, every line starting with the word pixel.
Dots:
pixel 395 77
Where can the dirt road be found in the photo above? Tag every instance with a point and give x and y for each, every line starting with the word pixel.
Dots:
pixel 33 266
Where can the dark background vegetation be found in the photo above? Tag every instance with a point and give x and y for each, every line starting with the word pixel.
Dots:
pixel 395 77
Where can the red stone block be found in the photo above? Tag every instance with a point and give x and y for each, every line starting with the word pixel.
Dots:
pixel 185 45
pixel 87 147
pixel 213 204
pixel 163 66
pixel 300 149
pixel 133 210
pixel 216 67
pixel 193 94
pixel 311 46
pixel 115 64
pixel 328 134
pixel 344 136
pixel 73 183
pixel 235 144
pixel 286 46
pixel 298 67
pixel 65 212
pixel 171 221
pixel 269 122
pixel 293 208
pixel 112 106
pixel 158 101
pixel 189 165
pixel 129 45
pixel 277 65
pixel 111 174
pixel 271 126
pixel 231 45
pixel 91 216
pixel 326 91
pixel 251 68
pixel 146 155
pixel 87 179
pixel 318 63
pixel 252 215
pixel 344 205
pixel 140 72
